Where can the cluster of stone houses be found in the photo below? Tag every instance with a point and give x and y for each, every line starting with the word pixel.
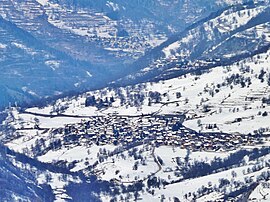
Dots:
pixel 160 129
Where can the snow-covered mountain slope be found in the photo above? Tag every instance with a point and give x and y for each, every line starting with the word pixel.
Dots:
pixel 197 131
pixel 45 43
pixel 202 129
pixel 125 29
pixel 31 70
pixel 27 179
pixel 18 183
pixel 95 41
pixel 224 37
pixel 234 98
pixel 41 22
pixel 178 13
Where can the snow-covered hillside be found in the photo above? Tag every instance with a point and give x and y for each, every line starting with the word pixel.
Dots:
pixel 96 42
pixel 195 128
pixel 221 39
pixel 99 39
pixel 220 96
pixel 152 131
